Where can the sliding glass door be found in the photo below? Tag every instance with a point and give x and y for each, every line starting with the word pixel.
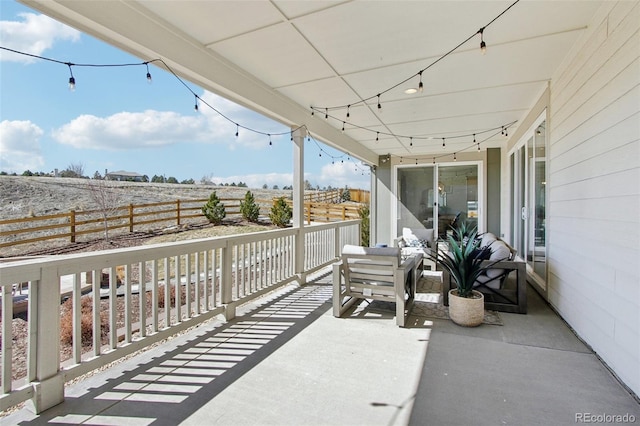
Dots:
pixel 528 164
pixel 424 201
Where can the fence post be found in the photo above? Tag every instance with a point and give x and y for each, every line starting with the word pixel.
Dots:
pixel 344 212
pixel 72 225
pixel 178 212
pixel 130 217
pixel 308 206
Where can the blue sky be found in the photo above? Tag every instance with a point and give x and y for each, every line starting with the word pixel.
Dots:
pixel 116 120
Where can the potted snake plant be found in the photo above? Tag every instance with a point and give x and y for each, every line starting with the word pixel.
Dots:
pixel 464 262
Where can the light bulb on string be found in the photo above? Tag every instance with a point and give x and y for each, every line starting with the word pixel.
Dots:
pixel 379 104
pixel 72 80
pixel 326 113
pixel 454 157
pixel 343 127
pixel 434 160
pixel 148 73
pixel 505 132
pixel 270 143
pixel 195 106
pixel 400 160
pixel 444 145
pixel 483 45
pixel 411 141
pixel 348 112
pixel 237 129
pixel 377 137
pixel 420 85
pixel 313 112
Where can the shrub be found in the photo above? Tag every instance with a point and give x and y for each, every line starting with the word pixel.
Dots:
pixel 280 213
pixel 86 322
pixel 363 212
pixel 214 209
pixel 249 209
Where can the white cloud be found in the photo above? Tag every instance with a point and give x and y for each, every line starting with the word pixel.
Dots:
pixel 234 113
pixel 148 129
pixel 341 174
pixel 130 130
pixel 20 146
pixel 257 180
pixel 34 34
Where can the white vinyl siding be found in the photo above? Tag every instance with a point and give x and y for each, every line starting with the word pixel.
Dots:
pixel 594 197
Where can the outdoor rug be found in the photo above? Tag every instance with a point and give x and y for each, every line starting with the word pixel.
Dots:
pixel 428 301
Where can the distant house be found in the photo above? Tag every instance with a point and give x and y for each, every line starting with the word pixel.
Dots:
pixel 122 175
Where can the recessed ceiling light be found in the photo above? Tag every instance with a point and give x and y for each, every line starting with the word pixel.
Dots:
pixel 411 91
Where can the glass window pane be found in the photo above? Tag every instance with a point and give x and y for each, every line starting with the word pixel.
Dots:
pixel 415 198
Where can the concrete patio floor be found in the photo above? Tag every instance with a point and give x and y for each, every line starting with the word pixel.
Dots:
pixel 285 360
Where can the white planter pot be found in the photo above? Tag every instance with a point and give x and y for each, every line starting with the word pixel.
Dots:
pixel 467 312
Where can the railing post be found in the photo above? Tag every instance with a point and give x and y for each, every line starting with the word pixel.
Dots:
pixel 130 217
pixel 337 247
pixel 72 225
pixel 48 386
pixel 226 281
pixel 178 212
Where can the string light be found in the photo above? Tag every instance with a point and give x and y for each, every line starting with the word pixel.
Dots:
pixel 348 112
pixel 72 80
pixel 195 106
pixel 454 157
pixel 148 73
pixel 483 45
pixel 326 113
pixel 270 143
pixel 343 127
pixel 237 129
pixel 377 137
pixel 420 85
pixel 444 145
pixel 411 141
pixel 379 105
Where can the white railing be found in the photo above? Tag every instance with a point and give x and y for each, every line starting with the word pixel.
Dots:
pixel 147 294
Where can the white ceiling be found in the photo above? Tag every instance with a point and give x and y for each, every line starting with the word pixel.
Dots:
pixel 282 57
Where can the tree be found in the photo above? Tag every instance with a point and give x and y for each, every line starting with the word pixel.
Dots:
pixel 171 179
pixel 265 186
pixel 107 199
pixel 275 186
pixel 75 170
pixel 188 182
pixel 157 179
pixel 214 209
pixel 281 213
pixel 307 185
pixel 346 194
pixel 97 175
pixel 249 209
pixel 27 173
pixel 363 212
